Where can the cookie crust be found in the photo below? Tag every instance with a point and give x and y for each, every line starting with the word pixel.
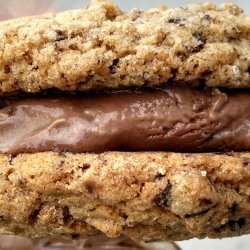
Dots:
pixel 101 47
pixel 149 196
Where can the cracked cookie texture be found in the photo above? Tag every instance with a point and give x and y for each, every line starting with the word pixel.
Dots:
pixel 100 47
pixel 148 196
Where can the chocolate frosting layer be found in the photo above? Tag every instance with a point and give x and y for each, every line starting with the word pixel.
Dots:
pixel 181 119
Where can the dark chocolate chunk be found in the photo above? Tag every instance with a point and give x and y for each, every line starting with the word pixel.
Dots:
pixel 197 36
pixel 202 41
pixel 89 186
pixel 60 35
pixel 246 162
pixel 159 176
pixel 6 69
pixel 162 199
pixel 197 48
pixel 205 202
pixel 33 217
pixel 113 66
pixel 233 207
pixel 236 225
pixel 199 213
pixel 66 214
pixel 177 20
pixel 207 17
pixel 84 167
pixel 35 68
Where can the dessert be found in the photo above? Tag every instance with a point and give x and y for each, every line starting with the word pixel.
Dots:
pixel 131 123
pixel 99 47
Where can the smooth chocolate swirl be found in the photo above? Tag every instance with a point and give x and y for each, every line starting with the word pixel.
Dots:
pixel 180 119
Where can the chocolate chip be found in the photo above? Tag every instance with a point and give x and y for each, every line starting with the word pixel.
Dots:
pixel 60 35
pixel 233 207
pixel 174 20
pixel 35 68
pixel 202 41
pixel 89 186
pixel 159 176
pixel 33 217
pixel 197 48
pixel 22 181
pixel 177 20
pixel 236 225
pixel 205 202
pixel 60 166
pixel 199 213
pixel 84 167
pixel 246 162
pixel 66 214
pixel 204 211
pixel 6 69
pixel 162 199
pixel 197 36
pixel 195 66
pixel 207 17
pixel 114 65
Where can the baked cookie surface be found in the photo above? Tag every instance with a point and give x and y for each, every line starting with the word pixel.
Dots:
pixel 101 47
pixel 149 196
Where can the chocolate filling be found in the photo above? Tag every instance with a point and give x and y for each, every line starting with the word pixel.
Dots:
pixel 175 118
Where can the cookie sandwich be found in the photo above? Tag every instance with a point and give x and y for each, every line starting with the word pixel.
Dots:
pixel 133 123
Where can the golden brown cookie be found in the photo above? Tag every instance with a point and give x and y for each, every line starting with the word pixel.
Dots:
pixel 149 196
pixel 100 46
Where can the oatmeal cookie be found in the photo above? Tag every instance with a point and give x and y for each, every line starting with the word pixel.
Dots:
pixel 149 196
pixel 101 47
